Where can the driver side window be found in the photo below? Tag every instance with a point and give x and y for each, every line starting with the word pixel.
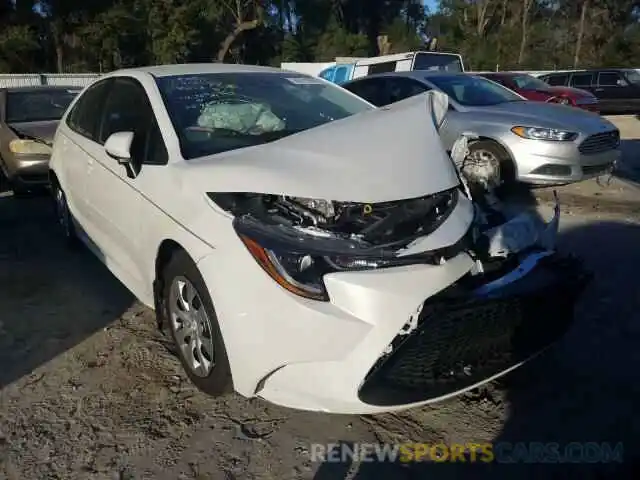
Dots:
pixel 127 109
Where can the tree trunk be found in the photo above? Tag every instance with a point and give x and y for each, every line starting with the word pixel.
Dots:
pixel 583 16
pixel 526 4
pixel 58 45
pixel 228 41
pixel 481 16
pixel 503 18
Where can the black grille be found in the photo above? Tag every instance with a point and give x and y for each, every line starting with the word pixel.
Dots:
pixel 462 339
pixel 600 142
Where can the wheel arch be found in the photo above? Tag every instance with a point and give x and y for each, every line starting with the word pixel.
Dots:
pixel 165 251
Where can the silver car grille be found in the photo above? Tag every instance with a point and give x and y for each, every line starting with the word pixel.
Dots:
pixel 600 142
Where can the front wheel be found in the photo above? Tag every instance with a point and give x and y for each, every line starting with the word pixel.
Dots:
pixel 63 216
pixel 194 326
pixel 488 165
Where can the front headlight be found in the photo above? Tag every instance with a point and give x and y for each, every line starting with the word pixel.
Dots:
pixel 537 133
pixel 298 260
pixel 29 147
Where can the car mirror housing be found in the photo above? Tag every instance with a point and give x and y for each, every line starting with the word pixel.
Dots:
pixel 118 146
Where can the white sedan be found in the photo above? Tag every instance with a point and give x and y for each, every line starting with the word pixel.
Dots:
pixel 300 245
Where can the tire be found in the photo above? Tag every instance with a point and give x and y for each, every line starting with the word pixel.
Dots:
pixel 64 219
pixel 488 157
pixel 179 275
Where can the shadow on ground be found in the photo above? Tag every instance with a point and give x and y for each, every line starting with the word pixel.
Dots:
pixel 585 389
pixel 51 298
pixel 629 168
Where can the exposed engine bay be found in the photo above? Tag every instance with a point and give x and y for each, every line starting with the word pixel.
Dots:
pixel 378 232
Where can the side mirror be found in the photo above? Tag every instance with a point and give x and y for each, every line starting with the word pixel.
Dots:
pixel 118 146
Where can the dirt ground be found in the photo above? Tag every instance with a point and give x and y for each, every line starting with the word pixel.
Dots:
pixel 90 390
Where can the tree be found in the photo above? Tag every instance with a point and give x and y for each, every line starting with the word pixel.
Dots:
pixel 245 15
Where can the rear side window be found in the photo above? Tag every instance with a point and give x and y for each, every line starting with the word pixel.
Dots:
pixel 582 80
pixel 608 79
pixel 84 118
pixel 556 80
pixel 401 88
pixel 372 90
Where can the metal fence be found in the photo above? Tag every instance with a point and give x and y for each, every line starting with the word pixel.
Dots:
pixel 35 79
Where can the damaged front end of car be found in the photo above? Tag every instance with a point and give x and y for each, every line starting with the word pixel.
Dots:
pixel 516 300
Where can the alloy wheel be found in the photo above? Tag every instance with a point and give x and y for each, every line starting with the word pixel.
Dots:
pixel 191 327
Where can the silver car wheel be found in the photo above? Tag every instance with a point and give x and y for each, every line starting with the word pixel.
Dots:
pixel 191 327
pixel 483 166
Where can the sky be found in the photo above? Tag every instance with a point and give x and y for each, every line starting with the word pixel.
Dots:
pixel 431 4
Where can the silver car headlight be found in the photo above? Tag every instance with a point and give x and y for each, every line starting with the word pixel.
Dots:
pixel 537 133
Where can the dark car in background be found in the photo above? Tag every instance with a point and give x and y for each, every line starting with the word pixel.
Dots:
pixel 535 89
pixel 618 90
pixel 29 118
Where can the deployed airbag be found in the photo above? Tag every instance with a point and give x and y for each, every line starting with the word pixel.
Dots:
pixel 242 117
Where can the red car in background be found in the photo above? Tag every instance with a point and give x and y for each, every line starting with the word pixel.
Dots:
pixel 533 88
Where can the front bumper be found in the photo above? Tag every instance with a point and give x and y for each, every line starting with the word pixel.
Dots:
pixel 466 337
pixel 330 356
pixel 547 163
pixel 28 170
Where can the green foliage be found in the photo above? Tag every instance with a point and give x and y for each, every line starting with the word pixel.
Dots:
pixel 101 35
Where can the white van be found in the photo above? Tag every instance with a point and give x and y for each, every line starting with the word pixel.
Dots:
pixel 346 69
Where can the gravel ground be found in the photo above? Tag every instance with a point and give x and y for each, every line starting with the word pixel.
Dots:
pixel 90 390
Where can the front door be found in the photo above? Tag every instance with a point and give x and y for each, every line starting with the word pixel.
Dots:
pixel 114 200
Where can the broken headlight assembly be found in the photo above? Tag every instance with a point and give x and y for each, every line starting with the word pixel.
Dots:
pixel 298 240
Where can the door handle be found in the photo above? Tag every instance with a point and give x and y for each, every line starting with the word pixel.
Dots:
pixel 599 89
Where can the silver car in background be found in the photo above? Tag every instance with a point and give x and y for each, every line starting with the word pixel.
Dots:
pixel 531 142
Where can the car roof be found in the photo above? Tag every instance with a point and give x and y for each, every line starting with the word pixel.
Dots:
pixel 40 88
pixel 195 69
pixel 417 74
pixel 595 70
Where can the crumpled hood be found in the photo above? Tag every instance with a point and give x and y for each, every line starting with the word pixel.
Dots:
pixel 540 114
pixel 44 131
pixel 385 154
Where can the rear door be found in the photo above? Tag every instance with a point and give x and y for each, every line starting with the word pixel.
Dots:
pixel 614 92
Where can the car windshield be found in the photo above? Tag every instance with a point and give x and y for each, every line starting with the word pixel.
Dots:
pixel 472 91
pixel 529 82
pixel 633 76
pixel 38 105
pixel 214 113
